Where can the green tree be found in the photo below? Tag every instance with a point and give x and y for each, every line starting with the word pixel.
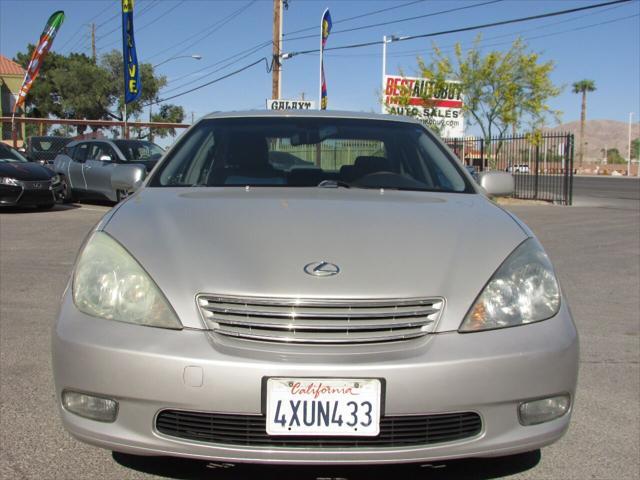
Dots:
pixel 635 148
pixel 613 156
pixel 73 86
pixel 151 84
pixel 168 114
pixel 67 87
pixel 583 86
pixel 499 89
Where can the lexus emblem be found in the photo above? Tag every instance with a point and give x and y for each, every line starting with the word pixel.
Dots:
pixel 321 269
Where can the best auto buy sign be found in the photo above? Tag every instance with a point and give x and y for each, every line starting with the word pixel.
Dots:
pixel 444 107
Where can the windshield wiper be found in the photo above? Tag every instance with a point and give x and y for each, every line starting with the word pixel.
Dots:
pixel 333 184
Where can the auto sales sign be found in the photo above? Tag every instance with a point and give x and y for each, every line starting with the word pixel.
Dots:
pixel 443 106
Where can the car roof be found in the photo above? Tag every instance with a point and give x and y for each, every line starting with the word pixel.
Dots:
pixel 312 114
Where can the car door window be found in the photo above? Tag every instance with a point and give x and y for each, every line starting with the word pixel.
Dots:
pixel 68 151
pixel 80 152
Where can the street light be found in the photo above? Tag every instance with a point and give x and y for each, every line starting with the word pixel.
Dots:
pixel 387 39
pixel 194 56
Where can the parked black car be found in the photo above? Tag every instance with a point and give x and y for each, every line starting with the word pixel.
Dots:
pixel 44 149
pixel 25 183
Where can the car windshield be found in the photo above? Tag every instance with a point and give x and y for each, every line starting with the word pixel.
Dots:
pixel 9 155
pixel 139 151
pixel 310 152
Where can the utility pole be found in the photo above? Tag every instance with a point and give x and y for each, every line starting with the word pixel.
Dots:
pixel 93 41
pixel 276 72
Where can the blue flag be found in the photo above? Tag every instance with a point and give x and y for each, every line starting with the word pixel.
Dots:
pixel 132 84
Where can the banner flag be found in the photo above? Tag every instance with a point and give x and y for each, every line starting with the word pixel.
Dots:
pixel 132 84
pixel 41 50
pixel 325 29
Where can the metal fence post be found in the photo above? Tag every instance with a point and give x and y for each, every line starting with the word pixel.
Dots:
pixel 570 191
pixel 537 176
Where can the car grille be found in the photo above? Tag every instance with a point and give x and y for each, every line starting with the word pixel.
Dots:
pixel 320 321
pixel 37 185
pixel 37 197
pixel 250 430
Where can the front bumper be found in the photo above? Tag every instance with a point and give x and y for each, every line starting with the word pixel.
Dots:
pixel 26 196
pixel 143 368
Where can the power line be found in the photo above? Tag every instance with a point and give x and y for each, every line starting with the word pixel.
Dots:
pixel 235 57
pixel 362 15
pixel 403 53
pixel 160 17
pixel 400 20
pixel 152 4
pixel 357 28
pixel 80 42
pixel 79 29
pixel 236 60
pixel 235 72
pixel 210 31
pixel 535 37
pixel 466 29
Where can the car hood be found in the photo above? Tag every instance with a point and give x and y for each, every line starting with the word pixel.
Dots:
pixel 387 244
pixel 25 171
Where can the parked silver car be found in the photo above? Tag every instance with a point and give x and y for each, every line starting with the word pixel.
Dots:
pixel 104 168
pixel 376 307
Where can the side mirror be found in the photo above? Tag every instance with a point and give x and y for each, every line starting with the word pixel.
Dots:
pixel 105 158
pixel 127 177
pixel 497 183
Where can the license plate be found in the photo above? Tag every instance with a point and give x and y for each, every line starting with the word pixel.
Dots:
pixel 326 407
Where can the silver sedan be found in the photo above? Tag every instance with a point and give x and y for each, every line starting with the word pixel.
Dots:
pixel 304 287
pixel 102 168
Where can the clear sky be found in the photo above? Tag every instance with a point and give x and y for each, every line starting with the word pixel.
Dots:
pixel 602 45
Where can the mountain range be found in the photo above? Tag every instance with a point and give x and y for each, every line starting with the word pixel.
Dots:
pixel 600 134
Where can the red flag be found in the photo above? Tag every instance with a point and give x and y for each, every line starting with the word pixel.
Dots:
pixel 41 50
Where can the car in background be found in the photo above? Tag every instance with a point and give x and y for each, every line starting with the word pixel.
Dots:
pixel 376 308
pixel 24 183
pixel 473 172
pixel 44 150
pixel 96 168
pixel 519 168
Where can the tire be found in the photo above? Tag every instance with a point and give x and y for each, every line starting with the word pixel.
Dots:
pixel 67 195
pixel 121 195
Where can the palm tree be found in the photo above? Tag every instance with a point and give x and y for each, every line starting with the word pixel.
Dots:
pixel 583 86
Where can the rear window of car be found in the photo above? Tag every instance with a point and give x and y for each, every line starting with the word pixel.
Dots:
pixel 305 152
pixel 136 150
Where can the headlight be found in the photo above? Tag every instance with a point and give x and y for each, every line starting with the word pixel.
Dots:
pixel 523 290
pixel 55 179
pixel 109 283
pixel 10 181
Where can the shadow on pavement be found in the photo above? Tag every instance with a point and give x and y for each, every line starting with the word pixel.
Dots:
pixel 467 469
pixel 58 207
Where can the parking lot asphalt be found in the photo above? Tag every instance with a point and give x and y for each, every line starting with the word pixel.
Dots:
pixel 596 252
